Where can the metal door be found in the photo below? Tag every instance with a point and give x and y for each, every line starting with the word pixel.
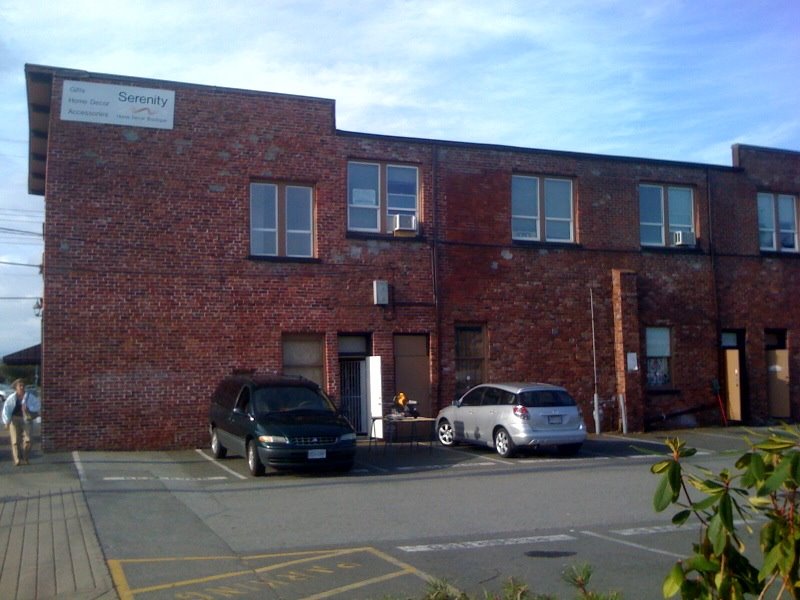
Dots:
pixel 354 393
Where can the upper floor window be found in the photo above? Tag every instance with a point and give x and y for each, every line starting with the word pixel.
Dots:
pixel 777 222
pixel 666 215
pixel 541 209
pixel 372 205
pixel 281 220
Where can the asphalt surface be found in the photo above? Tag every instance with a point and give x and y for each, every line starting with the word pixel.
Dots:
pixel 166 525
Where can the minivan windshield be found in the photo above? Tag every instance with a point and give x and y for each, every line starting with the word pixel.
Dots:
pixel 545 398
pixel 287 398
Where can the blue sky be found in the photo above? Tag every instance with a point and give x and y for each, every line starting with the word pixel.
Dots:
pixel 667 79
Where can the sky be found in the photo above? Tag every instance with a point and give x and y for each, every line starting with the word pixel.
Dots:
pixel 666 79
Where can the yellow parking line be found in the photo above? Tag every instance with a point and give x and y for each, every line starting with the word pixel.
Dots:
pixel 125 592
pixel 120 581
pixel 357 585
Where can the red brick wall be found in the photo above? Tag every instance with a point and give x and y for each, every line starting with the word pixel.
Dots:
pixel 151 296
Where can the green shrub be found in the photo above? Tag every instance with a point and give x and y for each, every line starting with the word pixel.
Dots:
pixel 764 488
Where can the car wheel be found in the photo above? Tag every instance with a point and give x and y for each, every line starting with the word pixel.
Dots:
pixel 217 449
pixel 253 460
pixel 446 434
pixel 503 443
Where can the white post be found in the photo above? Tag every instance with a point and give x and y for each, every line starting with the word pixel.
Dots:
pixel 624 413
pixel 374 389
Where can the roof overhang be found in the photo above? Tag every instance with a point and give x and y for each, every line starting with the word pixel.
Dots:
pixel 39 83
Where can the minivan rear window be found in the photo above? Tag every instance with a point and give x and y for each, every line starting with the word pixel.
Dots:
pixel 286 398
pixel 545 398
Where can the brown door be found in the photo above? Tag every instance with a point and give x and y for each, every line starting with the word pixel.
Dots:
pixel 733 390
pixel 412 370
pixel 778 383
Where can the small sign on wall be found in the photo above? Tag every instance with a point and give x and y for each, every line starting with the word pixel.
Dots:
pixel 633 362
pixel 117 105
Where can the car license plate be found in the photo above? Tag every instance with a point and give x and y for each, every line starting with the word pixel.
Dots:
pixel 554 419
pixel 316 454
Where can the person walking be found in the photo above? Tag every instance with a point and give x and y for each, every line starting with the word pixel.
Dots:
pixel 17 416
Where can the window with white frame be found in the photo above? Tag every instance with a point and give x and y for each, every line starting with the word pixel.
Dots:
pixel 376 192
pixel 658 353
pixel 281 220
pixel 777 222
pixel 541 209
pixel 663 211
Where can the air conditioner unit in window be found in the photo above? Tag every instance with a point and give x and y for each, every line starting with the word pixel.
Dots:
pixel 403 223
pixel 683 238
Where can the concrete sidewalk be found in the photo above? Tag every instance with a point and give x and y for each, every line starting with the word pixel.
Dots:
pixel 48 544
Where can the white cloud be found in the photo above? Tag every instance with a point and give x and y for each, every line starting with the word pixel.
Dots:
pixel 668 79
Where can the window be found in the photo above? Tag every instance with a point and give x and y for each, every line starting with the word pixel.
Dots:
pixel 474 398
pixel 656 201
pixel 777 222
pixel 541 201
pixel 470 357
pixel 304 355
pixel 657 348
pixel 281 220
pixel 371 205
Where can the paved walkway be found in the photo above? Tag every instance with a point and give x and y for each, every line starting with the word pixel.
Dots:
pixel 48 544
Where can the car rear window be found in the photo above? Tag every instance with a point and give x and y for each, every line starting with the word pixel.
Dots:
pixel 286 398
pixel 545 398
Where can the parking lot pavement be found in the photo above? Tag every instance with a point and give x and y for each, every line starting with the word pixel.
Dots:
pixel 49 545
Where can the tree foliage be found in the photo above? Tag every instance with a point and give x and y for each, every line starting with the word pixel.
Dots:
pixel 762 490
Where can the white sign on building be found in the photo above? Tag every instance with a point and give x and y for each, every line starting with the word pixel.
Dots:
pixel 117 105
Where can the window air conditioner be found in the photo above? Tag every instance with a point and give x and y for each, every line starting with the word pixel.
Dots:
pixel 683 238
pixel 403 223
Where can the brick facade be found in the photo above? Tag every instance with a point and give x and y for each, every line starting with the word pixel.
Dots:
pixel 151 294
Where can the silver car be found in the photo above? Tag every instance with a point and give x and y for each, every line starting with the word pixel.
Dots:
pixel 514 416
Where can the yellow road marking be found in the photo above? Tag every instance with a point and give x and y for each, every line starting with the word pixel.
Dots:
pixel 127 593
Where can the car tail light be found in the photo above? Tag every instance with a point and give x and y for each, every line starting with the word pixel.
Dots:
pixel 521 412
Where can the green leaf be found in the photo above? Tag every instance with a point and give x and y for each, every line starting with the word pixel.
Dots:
pixel 701 564
pixel 705 503
pixel 726 512
pixel 716 534
pixel 660 467
pixel 674 475
pixel 771 561
pixel 775 444
pixel 673 581
pixel 663 495
pixel 707 486
pixel 681 517
pixel 760 502
pixel 778 477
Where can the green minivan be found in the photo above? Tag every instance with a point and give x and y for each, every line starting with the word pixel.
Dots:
pixel 279 422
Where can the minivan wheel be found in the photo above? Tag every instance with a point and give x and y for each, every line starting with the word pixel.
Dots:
pixel 503 443
pixel 217 449
pixel 253 461
pixel 446 434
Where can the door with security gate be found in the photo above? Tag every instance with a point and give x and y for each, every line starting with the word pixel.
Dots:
pixel 354 393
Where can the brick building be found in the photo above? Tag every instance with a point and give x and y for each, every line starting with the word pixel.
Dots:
pixel 194 230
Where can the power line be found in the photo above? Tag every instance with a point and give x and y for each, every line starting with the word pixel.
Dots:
pixel 13 231
pixel 16 264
